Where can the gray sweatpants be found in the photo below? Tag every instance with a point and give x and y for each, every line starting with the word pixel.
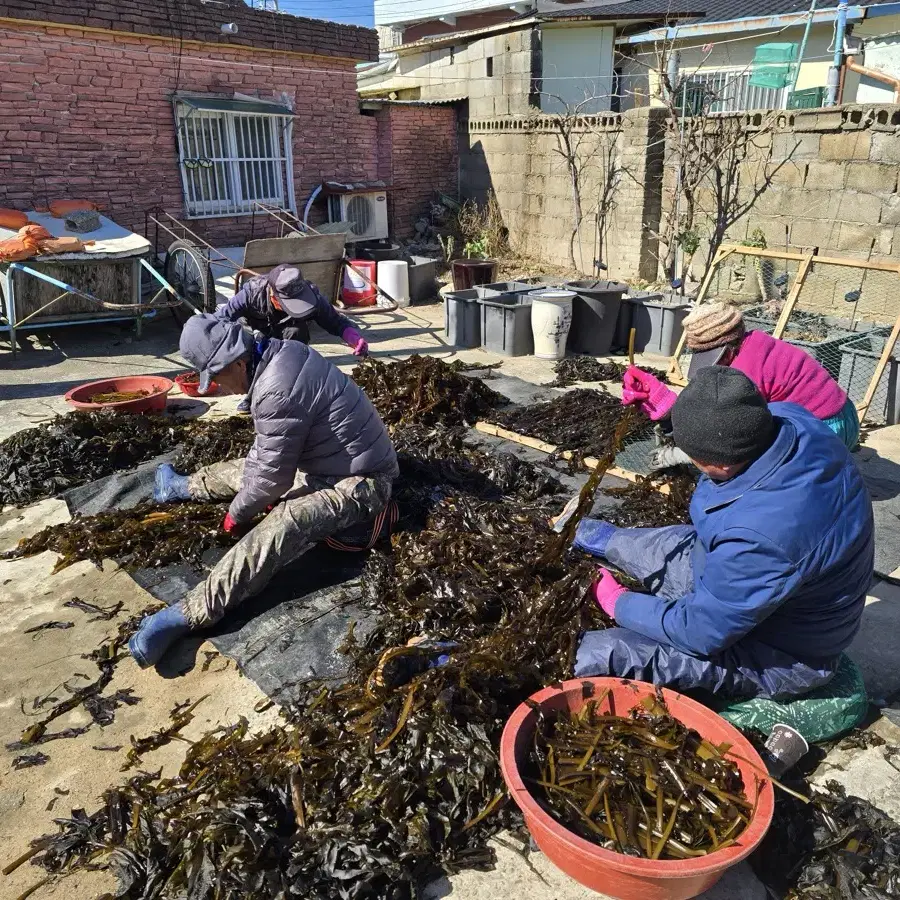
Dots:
pixel 313 509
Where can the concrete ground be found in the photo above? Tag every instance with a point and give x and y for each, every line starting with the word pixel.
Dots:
pixel 37 665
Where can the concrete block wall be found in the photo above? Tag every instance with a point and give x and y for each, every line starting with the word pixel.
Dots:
pixel 88 114
pixel 829 180
pixel 519 159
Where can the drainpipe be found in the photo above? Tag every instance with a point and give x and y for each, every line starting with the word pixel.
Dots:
pixel 834 72
pixel 853 66
pixel 809 19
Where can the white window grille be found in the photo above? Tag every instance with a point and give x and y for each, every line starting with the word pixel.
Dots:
pixel 728 91
pixel 231 158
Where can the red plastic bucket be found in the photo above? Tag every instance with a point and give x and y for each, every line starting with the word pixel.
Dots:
pixel 189 382
pixel 356 290
pixel 615 874
pixel 155 401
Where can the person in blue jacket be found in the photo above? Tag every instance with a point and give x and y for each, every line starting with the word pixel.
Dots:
pixel 762 593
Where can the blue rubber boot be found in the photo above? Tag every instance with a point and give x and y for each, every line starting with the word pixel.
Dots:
pixel 169 486
pixel 148 645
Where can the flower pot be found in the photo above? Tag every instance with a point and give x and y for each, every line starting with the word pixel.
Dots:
pixel 467 273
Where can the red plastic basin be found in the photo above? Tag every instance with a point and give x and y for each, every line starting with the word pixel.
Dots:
pixel 155 401
pixel 621 876
pixel 190 384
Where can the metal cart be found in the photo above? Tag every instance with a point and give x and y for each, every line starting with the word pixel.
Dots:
pixel 50 291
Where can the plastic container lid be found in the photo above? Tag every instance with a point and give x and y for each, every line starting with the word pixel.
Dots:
pixel 552 294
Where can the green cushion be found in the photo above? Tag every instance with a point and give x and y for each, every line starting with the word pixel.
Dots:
pixel 820 715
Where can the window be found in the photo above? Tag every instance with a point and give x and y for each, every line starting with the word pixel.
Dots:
pixel 233 154
pixel 727 91
pixel 490 66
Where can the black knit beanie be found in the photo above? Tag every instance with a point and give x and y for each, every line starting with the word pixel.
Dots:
pixel 721 418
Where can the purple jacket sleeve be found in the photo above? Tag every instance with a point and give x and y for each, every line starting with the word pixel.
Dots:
pixel 271 464
pixel 745 579
pixel 327 316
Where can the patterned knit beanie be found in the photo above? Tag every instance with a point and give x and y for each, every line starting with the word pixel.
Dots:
pixel 712 325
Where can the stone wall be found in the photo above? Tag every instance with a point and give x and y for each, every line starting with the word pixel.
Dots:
pixel 520 159
pixel 829 176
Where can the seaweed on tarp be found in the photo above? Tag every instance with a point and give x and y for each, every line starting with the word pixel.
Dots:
pixel 425 390
pixel 209 441
pixel 836 847
pixel 581 420
pixel 643 505
pixel 573 369
pixel 77 448
pixel 147 536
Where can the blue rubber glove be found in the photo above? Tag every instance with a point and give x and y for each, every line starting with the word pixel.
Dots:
pixel 593 536
pixel 149 644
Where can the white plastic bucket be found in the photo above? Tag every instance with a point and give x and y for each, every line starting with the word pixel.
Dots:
pixel 551 319
pixel 393 279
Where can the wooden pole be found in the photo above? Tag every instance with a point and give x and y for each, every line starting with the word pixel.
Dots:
pixel 631 337
pixel 889 345
pixel 793 296
pixel 590 462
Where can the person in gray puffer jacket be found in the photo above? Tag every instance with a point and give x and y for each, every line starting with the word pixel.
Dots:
pixel 322 461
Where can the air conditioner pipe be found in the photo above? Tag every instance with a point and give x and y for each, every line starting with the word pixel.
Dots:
pixel 853 66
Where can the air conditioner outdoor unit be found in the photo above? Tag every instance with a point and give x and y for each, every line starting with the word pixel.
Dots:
pixel 366 214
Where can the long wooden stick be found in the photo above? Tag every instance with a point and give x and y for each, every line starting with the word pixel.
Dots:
pixel 793 296
pixel 863 407
pixel 590 462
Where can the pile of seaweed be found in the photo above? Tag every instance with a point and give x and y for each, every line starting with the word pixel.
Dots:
pixel 581 420
pixel 833 848
pixel 642 784
pixel 208 441
pixel 77 448
pixel 149 535
pixel 370 786
pixel 425 390
pixel 643 505
pixel 573 369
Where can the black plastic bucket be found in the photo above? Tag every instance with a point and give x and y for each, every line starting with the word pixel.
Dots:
pixel 594 315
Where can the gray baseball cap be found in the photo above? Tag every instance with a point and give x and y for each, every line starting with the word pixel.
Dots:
pixel 210 344
pixel 291 290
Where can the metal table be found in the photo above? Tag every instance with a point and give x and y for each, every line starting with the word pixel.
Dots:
pixel 30 288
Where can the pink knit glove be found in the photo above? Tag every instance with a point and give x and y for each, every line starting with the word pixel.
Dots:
pixel 607 591
pixel 352 338
pixel 646 391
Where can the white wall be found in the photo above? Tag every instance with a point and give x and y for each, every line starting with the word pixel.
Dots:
pixel 724 53
pixel 396 12
pixel 882 54
pixel 577 65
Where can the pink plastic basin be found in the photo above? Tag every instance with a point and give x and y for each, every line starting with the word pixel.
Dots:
pixel 155 401
pixel 626 877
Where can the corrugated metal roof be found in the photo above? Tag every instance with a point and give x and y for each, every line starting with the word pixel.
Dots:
pixel 701 10
pixel 386 101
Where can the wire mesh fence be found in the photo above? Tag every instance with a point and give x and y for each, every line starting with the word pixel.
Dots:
pixel 839 311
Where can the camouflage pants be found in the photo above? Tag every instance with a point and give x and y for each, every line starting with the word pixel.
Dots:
pixel 313 509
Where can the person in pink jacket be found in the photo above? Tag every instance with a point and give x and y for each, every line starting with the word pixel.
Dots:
pixel 716 334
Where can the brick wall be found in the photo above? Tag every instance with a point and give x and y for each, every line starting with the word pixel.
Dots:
pixel 88 114
pixel 193 20
pixel 418 157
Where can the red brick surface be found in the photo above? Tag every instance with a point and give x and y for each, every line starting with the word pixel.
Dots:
pixel 192 20
pixel 88 115
pixel 418 155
